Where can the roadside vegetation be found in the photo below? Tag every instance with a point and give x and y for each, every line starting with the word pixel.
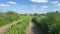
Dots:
pixel 8 17
pixel 20 27
pixel 49 22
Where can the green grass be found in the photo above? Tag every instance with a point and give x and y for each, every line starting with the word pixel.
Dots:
pixel 6 18
pixel 20 27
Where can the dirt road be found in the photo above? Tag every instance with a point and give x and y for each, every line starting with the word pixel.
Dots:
pixel 6 27
pixel 33 29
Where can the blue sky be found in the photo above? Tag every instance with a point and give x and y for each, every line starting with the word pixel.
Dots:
pixel 30 6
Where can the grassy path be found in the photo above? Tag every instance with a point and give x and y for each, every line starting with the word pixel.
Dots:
pixel 6 27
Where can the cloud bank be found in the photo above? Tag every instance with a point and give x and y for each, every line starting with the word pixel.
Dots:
pixel 39 1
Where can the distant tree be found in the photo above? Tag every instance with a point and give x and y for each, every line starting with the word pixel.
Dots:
pixel 10 12
pixel 57 12
pixel 35 14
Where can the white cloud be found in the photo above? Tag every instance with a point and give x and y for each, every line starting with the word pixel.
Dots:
pixel 40 1
pixel 58 4
pixel 8 4
pixel 39 8
pixel 34 8
pixel 11 2
pixel 43 7
pixel 4 5
pixel 54 2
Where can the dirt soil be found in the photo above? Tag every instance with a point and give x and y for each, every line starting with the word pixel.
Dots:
pixel 33 29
